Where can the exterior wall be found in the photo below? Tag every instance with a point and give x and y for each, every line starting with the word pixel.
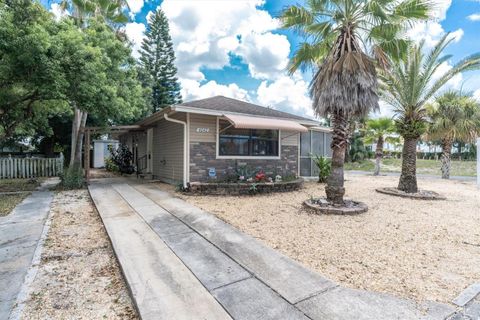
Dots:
pixel 203 144
pixel 167 153
pixel 142 143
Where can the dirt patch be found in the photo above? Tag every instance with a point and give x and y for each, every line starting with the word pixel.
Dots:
pixel 78 277
pixel 9 201
pixel 424 250
pixel 13 185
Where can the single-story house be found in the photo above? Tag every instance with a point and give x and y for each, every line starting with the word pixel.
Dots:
pixel 211 138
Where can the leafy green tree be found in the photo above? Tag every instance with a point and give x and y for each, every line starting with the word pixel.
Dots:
pixel 407 86
pixel 379 131
pixel 102 77
pixel 454 116
pixel 158 63
pixel 345 83
pixel 31 77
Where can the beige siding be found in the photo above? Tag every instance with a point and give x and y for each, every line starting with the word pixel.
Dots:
pixel 289 138
pixel 168 150
pixel 199 121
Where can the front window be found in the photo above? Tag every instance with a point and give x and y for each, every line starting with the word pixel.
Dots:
pixel 247 142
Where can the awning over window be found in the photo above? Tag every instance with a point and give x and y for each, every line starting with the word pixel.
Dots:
pixel 248 122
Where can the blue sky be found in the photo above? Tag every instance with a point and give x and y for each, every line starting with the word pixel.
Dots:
pixel 235 48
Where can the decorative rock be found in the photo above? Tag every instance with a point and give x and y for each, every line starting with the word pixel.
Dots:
pixel 321 205
pixel 243 188
pixel 420 195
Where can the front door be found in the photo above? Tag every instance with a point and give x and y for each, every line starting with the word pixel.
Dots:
pixel 149 150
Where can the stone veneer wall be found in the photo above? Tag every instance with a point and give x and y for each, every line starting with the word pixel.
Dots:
pixel 203 156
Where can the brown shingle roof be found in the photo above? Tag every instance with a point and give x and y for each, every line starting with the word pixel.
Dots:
pixel 221 103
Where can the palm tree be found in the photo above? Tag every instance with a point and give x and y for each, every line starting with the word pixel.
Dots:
pixel 453 117
pixel 379 131
pixel 336 33
pixel 407 86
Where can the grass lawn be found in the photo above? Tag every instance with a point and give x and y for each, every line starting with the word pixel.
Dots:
pixel 12 185
pixel 9 201
pixel 459 168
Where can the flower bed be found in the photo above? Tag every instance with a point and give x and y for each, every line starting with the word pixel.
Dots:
pixel 244 188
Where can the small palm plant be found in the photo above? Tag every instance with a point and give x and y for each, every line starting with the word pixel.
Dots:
pixel 454 116
pixel 407 86
pixel 324 166
pixel 379 131
pixel 343 42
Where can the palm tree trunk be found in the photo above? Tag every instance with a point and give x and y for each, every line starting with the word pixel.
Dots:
pixel 378 156
pixel 335 183
pixel 408 178
pixel 446 154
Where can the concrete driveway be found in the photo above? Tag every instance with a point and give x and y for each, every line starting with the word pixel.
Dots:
pixel 183 263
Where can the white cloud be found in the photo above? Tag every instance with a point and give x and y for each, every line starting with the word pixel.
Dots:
pixel 192 90
pixel 476 94
pixel 432 31
pixel 135 6
pixel 474 17
pixel 440 8
pixel 454 83
pixel 135 33
pixel 289 94
pixel 206 33
pixel 57 11
pixel 265 54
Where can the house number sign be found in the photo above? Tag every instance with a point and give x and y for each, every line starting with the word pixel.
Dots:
pixel 203 130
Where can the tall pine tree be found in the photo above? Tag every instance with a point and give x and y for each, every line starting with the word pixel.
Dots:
pixel 157 63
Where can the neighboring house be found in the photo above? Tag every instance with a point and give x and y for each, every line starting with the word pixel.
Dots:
pixel 211 138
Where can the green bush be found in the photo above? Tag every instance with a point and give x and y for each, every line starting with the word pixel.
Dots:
pixel 111 166
pixel 123 159
pixel 324 166
pixel 72 178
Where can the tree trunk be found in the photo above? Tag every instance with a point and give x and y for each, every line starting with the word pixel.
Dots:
pixel 78 146
pixel 446 154
pixel 378 156
pixel 408 178
pixel 75 127
pixel 335 183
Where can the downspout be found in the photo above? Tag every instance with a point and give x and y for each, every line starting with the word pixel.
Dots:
pixel 185 160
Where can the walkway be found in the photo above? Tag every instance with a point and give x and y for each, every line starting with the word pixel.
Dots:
pixel 20 233
pixel 183 263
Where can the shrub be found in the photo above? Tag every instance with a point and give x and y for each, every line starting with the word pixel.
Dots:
pixel 72 178
pixel 324 166
pixel 111 166
pixel 123 158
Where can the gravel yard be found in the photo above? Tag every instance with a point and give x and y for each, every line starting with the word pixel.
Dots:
pixel 424 250
pixel 78 277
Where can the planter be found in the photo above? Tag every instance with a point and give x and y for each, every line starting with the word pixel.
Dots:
pixel 420 195
pixel 243 188
pixel 322 206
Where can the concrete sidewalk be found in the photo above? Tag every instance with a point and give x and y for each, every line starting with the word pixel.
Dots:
pixel 203 268
pixel 20 233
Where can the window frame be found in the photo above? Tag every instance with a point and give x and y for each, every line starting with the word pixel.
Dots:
pixel 218 156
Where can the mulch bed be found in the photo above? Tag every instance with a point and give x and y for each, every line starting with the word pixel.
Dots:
pixel 420 195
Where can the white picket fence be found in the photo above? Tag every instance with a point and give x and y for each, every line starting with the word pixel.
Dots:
pixel 17 168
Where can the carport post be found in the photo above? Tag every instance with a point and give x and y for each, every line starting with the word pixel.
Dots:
pixel 86 155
